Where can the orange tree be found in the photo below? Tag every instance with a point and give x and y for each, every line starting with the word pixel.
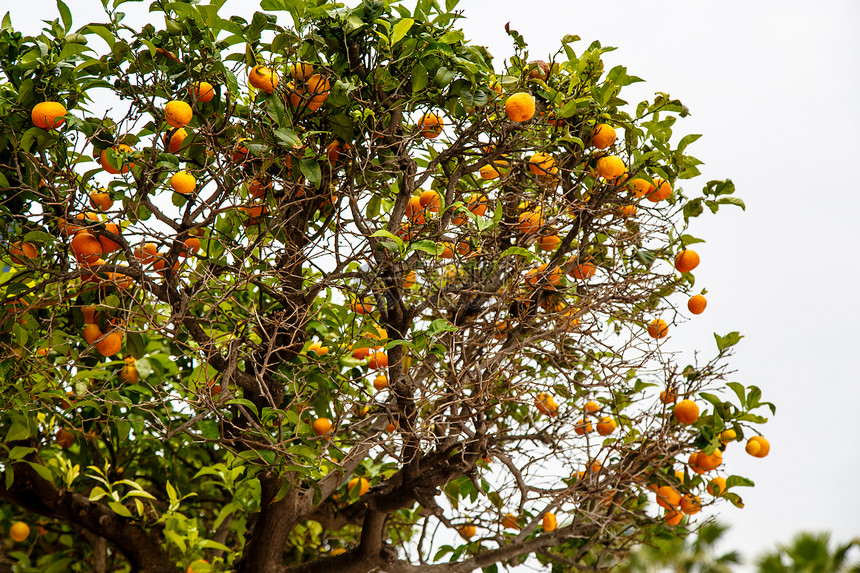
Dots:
pixel 344 295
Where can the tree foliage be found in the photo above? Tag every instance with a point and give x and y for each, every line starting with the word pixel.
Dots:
pixel 309 275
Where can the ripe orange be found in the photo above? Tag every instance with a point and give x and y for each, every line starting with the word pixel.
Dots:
pixel 318 349
pixel 301 70
pixel 478 204
pixel 667 396
pixel 19 531
pixel 113 155
pixel 202 92
pixel 727 436
pixel 520 107
pixel 263 79
pixel 668 497
pixel 430 201
pixel 318 88
pixel 86 248
pixel 691 504
pixel 697 304
pixel 447 251
pixel 48 115
pixel 640 187
pixel 92 332
pixel 467 531
pixel 546 404
pixel 583 271
pixel 549 242
pixel 192 245
pixel 109 245
pixel 529 222
pixel 662 191
pixel 491 171
pixel 542 165
pixel 686 412
pixel 129 372
pixel 362 484
pixel 552 276
pixel 361 308
pixel 686 261
pixel 175 141
pixel 582 427
pixel 710 462
pixel 693 462
pixel 23 249
pixel 177 113
pixel 409 279
pixel 628 210
pixel 146 254
pixel 101 200
pixel 758 447
pixel 361 353
pixel 658 328
pixel 606 426
pixel 610 167
pixel 380 382
pixel 602 136
pixel 415 212
pixel 430 125
pixel 673 517
pixel 591 407
pixel 377 359
pixel 321 426
pixel 509 521
pixel 183 182
pixel 717 486
pixel 110 344
pixel 196 566
pixel 549 522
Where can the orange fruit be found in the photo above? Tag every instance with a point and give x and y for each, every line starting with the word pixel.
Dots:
pixel 196 566
pixel 23 249
pixel 549 242
pixel 667 396
pixel 717 486
pixel 673 517
pixel 591 407
pixel 691 504
pixel 89 313
pixel 509 521
pixel 113 155
pixel 545 404
pixel 146 254
pixel 183 182
pixel 529 222
pixel 175 141
pixel 430 125
pixel 101 200
pixel 301 70
pixel 92 332
pixel 110 344
pixel 709 462
pixel 257 188
pixel 409 279
pixel 542 165
pixel 520 107
pixel 668 497
pixel 380 382
pixel 549 522
pixel 192 245
pixel 48 115
pixel 628 210
pixel 177 113
pixel 489 171
pixel 19 531
pixel 86 248
pixel 478 204
pixel 606 426
pixel 318 88
pixel 693 462
pixel 109 245
pixel 662 191
pixel 430 201
pixel 129 372
pixel 415 212
pixel 610 167
pixel 582 427
pixel 686 412
pixel 552 276
pixel 361 308
pixel 727 436
pixel 263 78
pixel 377 359
pixel 447 251
pixel 602 136
pixel 362 484
pixel 758 447
pixel 318 349
pixel 466 531
pixel 697 304
pixel 686 261
pixel 321 426
pixel 361 353
pixel 583 271
pixel 640 187
pixel 538 69
pixel 202 92
pixel 658 328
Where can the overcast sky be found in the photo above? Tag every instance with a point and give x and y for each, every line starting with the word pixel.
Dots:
pixel 774 89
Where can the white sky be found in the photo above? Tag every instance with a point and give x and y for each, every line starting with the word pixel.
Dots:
pixel 773 87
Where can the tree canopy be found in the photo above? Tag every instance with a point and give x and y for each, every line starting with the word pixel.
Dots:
pixel 333 290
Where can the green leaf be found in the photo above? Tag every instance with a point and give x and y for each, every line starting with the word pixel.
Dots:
pixel 739 481
pixel 732 201
pixel 310 168
pixel 65 14
pixel 739 390
pixel 728 340
pixel 176 539
pixel 400 30
pixel 519 251
pixel 135 344
pixel 103 32
pixel 419 78
pixel 383 233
